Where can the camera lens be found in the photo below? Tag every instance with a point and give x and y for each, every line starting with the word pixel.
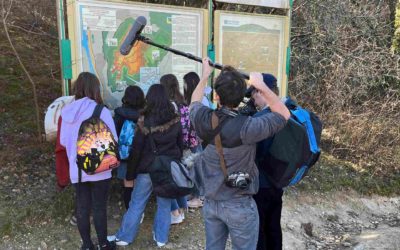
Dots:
pixel 242 184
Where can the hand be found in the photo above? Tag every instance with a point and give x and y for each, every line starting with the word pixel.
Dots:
pixel 207 69
pixel 128 183
pixel 256 80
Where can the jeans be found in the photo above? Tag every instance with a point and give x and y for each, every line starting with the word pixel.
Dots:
pixel 269 204
pixel 197 149
pixel 121 170
pixel 92 195
pixel 131 220
pixel 237 218
pixel 180 202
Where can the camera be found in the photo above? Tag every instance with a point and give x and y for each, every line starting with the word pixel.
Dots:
pixel 248 108
pixel 239 180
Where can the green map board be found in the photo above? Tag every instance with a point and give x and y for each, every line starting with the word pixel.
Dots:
pixel 101 28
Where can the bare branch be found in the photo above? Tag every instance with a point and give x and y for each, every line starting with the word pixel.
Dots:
pixel 4 21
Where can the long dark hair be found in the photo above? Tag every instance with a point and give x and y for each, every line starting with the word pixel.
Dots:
pixel 191 80
pixel 171 84
pixel 159 108
pixel 133 98
pixel 87 85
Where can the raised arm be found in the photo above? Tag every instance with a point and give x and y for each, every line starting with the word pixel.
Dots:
pixel 198 92
pixel 273 101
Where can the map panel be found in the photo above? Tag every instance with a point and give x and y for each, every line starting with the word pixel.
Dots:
pixel 252 43
pixel 102 27
pixel 266 3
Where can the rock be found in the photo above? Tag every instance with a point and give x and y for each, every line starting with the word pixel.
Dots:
pixel 332 218
pixel 308 228
pixel 359 247
pixel 290 227
pixel 43 245
pixel 346 244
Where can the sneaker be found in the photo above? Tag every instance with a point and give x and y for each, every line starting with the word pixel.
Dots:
pixel 141 220
pixel 176 219
pixel 195 203
pixel 110 245
pixel 88 248
pixel 113 238
pixel 73 221
pixel 182 215
pixel 159 244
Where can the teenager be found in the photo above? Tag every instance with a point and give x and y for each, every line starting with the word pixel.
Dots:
pixel 160 125
pixel 132 104
pixel 91 190
pixel 171 84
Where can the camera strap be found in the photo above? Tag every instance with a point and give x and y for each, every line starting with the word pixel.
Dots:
pixel 218 144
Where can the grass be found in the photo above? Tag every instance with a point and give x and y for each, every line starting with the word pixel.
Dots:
pixel 18 148
pixel 332 174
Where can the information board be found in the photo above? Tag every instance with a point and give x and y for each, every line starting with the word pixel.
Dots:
pixel 253 43
pixel 284 4
pixel 100 27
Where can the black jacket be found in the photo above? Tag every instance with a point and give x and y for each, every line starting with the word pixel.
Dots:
pixel 122 114
pixel 169 142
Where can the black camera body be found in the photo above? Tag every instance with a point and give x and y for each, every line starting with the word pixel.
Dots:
pixel 249 108
pixel 239 180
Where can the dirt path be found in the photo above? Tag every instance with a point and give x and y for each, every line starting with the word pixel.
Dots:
pixel 341 221
pixel 332 221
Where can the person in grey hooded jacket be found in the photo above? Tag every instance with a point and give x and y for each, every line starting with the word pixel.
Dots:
pixel 230 209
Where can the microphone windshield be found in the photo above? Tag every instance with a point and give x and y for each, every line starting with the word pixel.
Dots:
pixel 133 34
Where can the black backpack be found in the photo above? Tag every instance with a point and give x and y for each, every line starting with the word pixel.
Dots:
pixel 169 176
pixel 294 149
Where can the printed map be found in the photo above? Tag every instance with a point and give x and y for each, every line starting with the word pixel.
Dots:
pixel 104 26
pixel 237 33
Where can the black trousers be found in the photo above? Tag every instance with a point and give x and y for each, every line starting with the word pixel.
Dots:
pixel 269 205
pixel 92 196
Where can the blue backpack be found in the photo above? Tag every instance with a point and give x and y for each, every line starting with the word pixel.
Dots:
pixel 294 149
pixel 125 139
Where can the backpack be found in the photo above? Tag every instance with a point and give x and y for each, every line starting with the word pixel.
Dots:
pixel 52 114
pixel 125 139
pixel 169 176
pixel 294 149
pixel 97 150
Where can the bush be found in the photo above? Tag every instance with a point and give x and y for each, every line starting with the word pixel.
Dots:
pixel 344 69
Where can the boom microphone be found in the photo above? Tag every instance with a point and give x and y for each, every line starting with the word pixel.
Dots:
pixel 133 35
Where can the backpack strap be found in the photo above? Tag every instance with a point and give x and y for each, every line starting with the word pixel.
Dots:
pixel 304 117
pixel 97 111
pixel 218 144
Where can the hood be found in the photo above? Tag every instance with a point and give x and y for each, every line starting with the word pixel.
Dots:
pixel 127 113
pixel 72 111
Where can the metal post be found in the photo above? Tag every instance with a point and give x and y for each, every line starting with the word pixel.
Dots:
pixel 61 35
pixel 210 46
pixel 289 49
